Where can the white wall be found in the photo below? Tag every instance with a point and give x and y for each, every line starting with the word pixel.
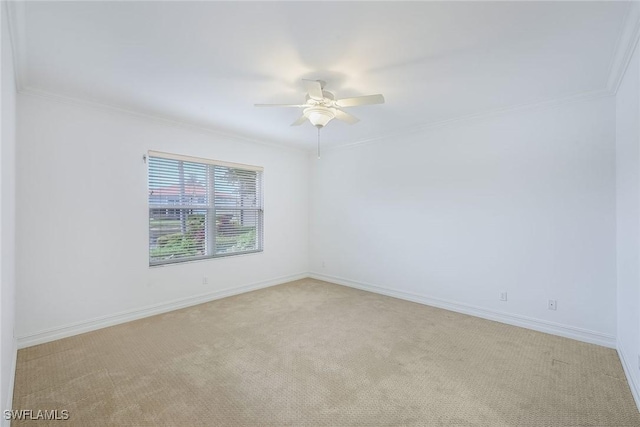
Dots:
pixel 7 214
pixel 522 202
pixel 628 221
pixel 83 224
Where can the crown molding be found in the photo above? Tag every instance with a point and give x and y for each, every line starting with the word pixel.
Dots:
pixel 482 115
pixel 16 21
pixel 155 118
pixel 625 46
pixel 174 122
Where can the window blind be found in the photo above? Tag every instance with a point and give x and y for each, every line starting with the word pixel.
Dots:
pixel 200 208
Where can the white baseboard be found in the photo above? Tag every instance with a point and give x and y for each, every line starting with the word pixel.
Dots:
pixel 12 380
pixel 629 367
pixel 511 319
pixel 127 316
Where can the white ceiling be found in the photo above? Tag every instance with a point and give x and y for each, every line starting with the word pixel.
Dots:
pixel 207 63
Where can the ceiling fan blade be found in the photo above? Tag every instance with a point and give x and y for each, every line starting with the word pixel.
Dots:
pixel 360 100
pixel 314 88
pixel 279 105
pixel 300 120
pixel 346 117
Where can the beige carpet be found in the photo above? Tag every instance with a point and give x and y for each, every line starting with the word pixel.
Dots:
pixel 310 353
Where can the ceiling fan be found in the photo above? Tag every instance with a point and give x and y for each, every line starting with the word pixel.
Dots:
pixel 321 106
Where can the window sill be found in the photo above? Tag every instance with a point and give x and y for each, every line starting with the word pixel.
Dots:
pixel 191 261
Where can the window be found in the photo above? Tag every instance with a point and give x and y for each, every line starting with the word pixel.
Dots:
pixel 202 208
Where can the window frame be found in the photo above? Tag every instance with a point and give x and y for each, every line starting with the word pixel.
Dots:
pixel 210 228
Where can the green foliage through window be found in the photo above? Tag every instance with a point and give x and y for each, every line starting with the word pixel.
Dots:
pixel 201 210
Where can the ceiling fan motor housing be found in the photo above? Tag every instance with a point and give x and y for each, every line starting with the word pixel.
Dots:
pixel 327 99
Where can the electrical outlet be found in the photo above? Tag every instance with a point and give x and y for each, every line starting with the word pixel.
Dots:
pixel 324 265
pixel 503 296
pixel 553 304
pixel 205 280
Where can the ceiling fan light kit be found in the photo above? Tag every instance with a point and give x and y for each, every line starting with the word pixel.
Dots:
pixel 321 106
pixel 319 116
